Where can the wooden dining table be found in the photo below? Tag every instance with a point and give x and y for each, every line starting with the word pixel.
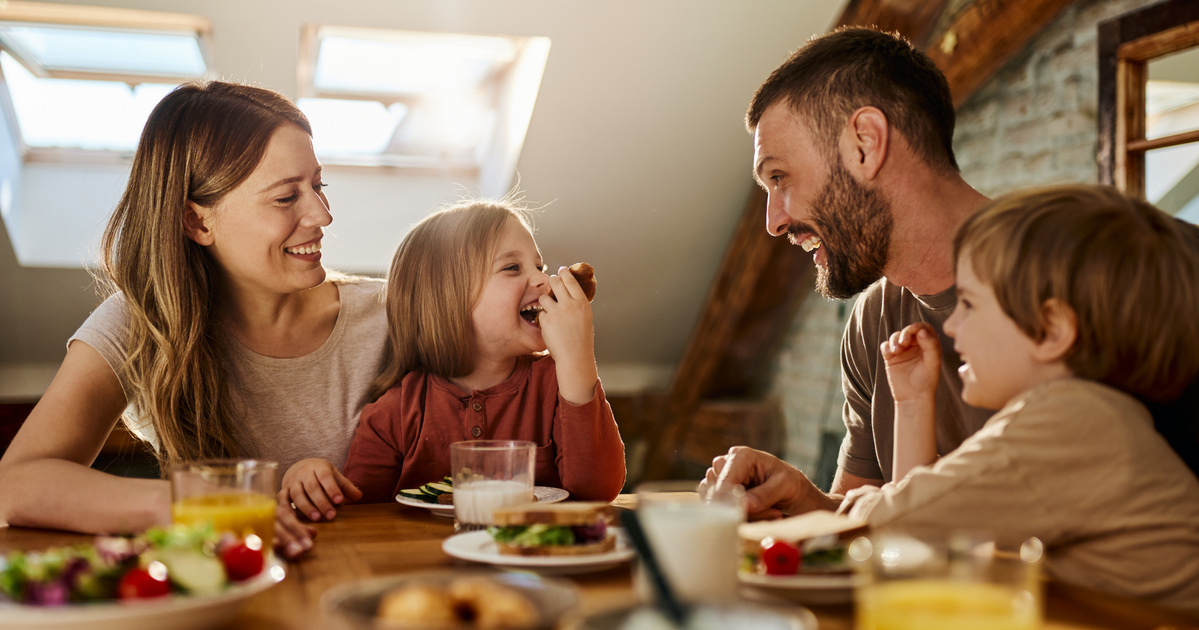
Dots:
pixel 366 541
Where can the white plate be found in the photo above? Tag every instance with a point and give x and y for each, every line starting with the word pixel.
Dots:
pixel 178 612
pixel 807 589
pixel 541 494
pixel 355 604
pixel 479 547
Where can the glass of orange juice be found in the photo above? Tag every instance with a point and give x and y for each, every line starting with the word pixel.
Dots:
pixel 235 495
pixel 911 583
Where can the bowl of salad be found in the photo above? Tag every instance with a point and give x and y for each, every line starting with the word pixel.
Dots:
pixel 183 577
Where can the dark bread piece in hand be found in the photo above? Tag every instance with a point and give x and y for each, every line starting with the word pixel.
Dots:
pixel 585 274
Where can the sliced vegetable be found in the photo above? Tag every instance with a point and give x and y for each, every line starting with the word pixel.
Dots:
pixel 415 493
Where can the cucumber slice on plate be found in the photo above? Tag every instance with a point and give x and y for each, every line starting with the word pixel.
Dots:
pixel 415 493
pixel 441 488
pixel 429 490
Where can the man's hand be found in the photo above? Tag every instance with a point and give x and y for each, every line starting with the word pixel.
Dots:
pixel 773 488
pixel 314 487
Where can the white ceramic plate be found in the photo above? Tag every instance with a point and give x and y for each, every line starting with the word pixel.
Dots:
pixel 479 547
pixel 355 604
pixel 178 612
pixel 807 589
pixel 541 494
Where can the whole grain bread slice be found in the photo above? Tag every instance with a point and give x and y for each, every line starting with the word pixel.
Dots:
pixel 567 514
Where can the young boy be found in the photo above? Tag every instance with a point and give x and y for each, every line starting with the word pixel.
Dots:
pixel 1071 300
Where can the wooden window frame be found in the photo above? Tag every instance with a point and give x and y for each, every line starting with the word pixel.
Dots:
pixel 1126 46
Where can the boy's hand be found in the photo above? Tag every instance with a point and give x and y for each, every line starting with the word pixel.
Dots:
pixel 314 486
pixel 570 337
pixel 913 360
pixel 292 537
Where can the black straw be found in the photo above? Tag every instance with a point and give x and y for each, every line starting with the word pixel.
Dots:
pixel 674 609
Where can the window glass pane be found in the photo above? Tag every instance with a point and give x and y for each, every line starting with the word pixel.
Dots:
pixel 341 126
pixel 1172 95
pixel 111 51
pixel 71 113
pixel 407 64
pixel 1172 179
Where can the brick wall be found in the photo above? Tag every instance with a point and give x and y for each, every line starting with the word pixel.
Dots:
pixel 1033 123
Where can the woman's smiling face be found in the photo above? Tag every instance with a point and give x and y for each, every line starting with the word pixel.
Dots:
pixel 514 281
pixel 265 235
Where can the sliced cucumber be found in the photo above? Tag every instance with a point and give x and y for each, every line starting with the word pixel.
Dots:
pixel 415 493
pixel 192 570
pixel 441 488
pixel 449 481
pixel 429 490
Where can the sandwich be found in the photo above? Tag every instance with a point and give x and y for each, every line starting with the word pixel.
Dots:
pixel 811 543
pixel 556 529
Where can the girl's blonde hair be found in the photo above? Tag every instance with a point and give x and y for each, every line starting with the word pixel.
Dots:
pixel 1125 268
pixel 200 142
pixel 436 277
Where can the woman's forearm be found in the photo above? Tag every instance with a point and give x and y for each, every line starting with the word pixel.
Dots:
pixel 59 494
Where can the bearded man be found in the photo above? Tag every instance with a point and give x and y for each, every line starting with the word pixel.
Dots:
pixel 853 144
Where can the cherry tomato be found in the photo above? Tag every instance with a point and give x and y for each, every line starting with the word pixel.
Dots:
pixel 139 583
pixel 779 557
pixel 241 562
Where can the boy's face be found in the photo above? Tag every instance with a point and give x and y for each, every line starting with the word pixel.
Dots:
pixel 998 359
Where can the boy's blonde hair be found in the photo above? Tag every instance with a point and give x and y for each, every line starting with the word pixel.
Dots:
pixel 1126 269
pixel 436 277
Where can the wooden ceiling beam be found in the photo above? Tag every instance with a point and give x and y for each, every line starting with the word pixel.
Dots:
pixel 984 36
pixel 914 19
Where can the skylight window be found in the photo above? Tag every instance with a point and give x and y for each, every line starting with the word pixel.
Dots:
pixel 403 98
pixel 85 79
pixel 61 50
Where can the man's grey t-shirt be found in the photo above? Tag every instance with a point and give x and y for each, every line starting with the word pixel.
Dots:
pixel 869 414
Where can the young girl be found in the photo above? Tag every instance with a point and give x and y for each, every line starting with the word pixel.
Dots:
pixel 470 314
pixel 1071 300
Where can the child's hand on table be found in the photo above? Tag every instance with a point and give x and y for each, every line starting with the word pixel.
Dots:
pixel 314 487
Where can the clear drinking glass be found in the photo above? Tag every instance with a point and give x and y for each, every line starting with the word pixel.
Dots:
pixel 695 541
pixel 489 474
pixel 235 495
pixel 914 583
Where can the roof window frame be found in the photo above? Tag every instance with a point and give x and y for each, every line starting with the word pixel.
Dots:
pixel 99 18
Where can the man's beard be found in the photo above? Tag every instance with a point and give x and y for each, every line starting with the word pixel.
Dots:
pixel 855 227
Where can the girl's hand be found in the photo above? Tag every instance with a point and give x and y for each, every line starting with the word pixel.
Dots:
pixel 314 486
pixel 292 537
pixel 913 361
pixel 570 337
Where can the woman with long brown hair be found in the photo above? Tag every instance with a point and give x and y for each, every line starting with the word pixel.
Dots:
pixel 223 337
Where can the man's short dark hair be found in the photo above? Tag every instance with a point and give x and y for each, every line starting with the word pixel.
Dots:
pixel 835 74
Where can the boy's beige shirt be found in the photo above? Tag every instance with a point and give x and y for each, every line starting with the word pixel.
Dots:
pixel 1078 465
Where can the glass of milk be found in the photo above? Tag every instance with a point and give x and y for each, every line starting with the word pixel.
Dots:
pixel 695 541
pixel 489 474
